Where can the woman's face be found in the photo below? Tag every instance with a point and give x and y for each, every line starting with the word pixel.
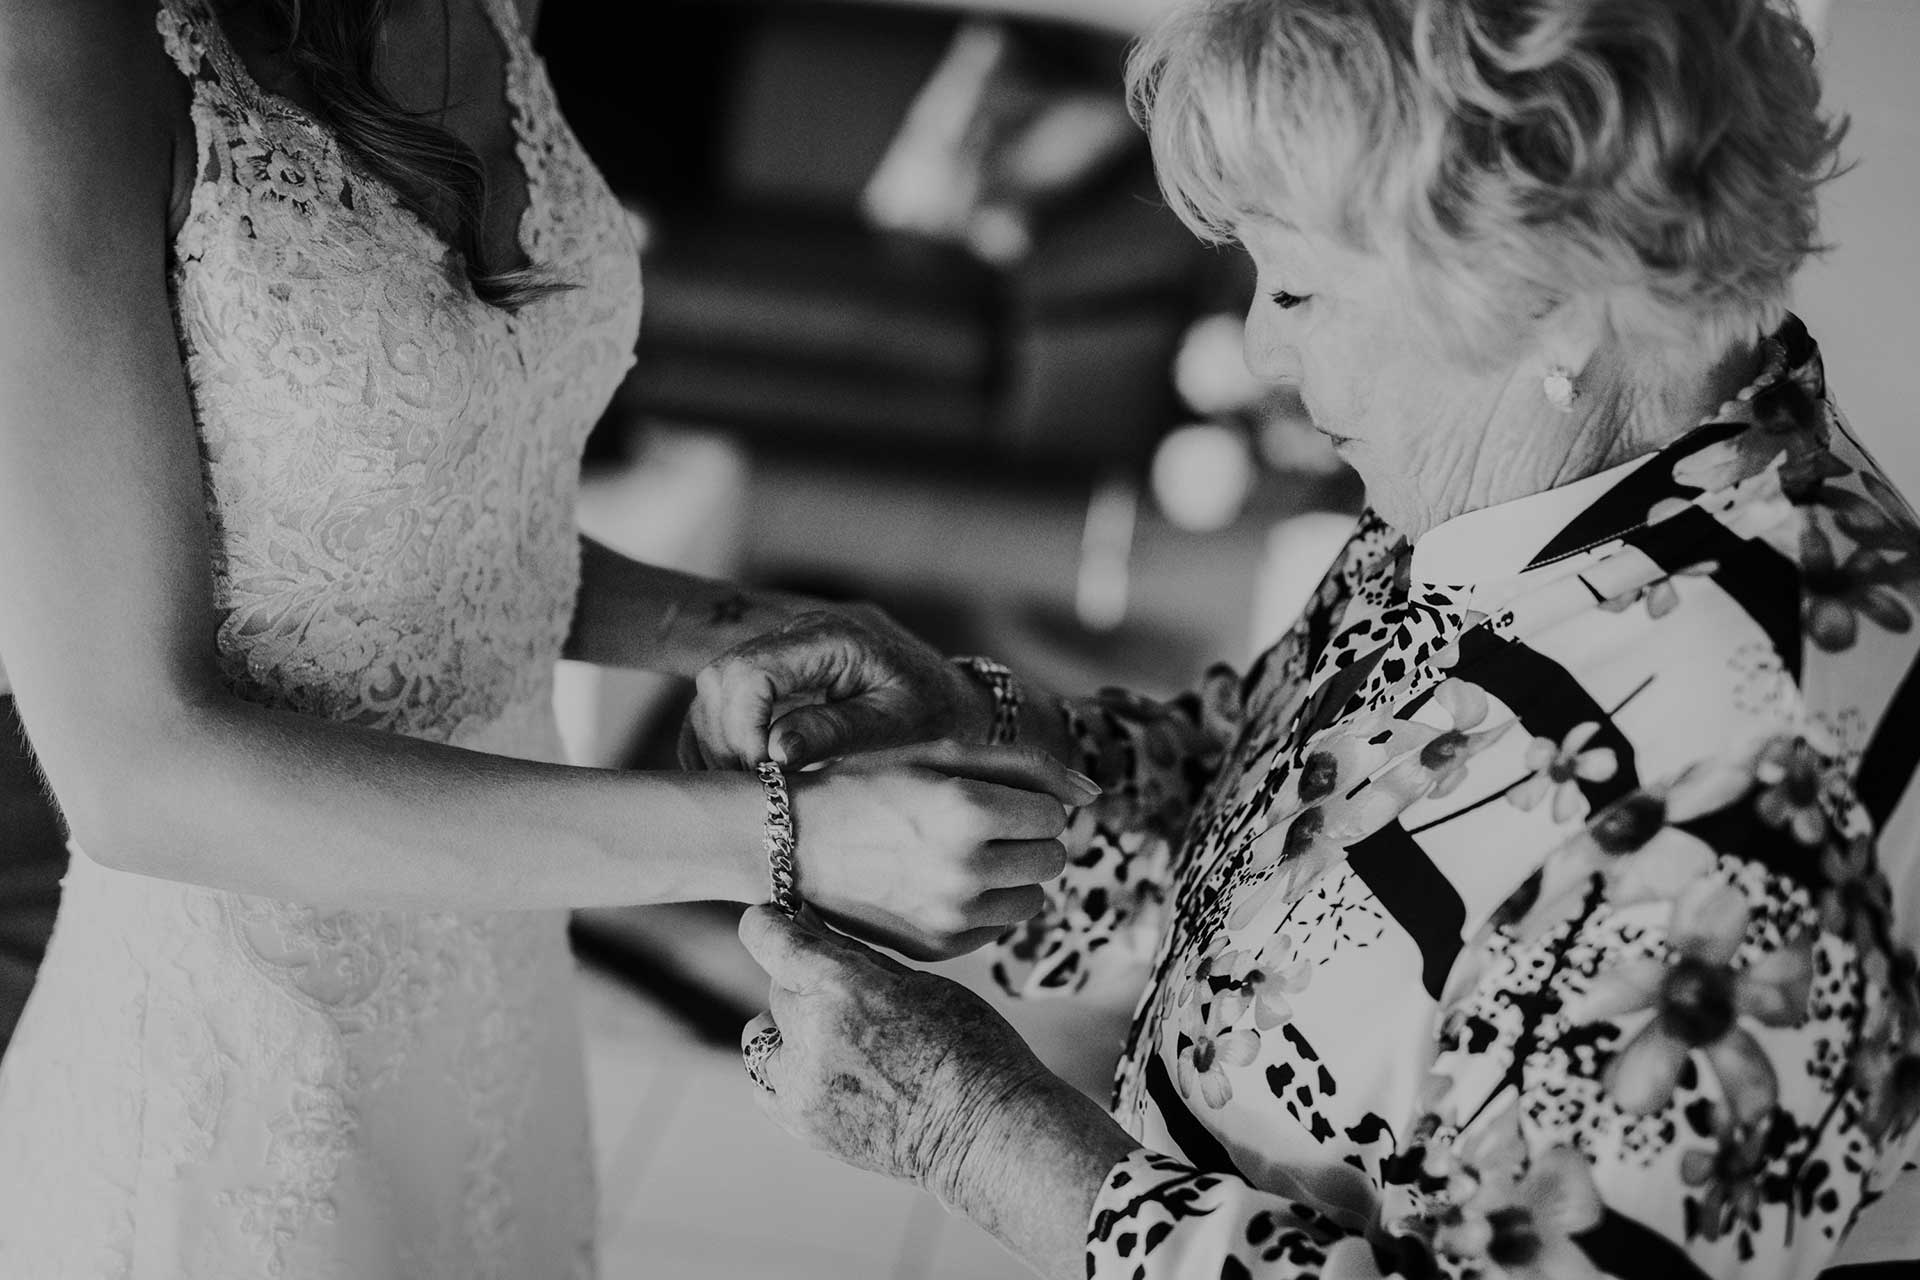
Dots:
pixel 1412 422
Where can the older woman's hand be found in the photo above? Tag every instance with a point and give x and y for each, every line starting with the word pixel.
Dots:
pixel 827 683
pixel 884 1067
pixel 909 1075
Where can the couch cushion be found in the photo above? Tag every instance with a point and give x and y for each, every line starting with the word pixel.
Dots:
pixel 772 284
pixel 800 404
pixel 1114 244
pixel 1090 387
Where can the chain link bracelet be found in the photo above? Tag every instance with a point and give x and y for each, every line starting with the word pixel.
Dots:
pixel 1007 698
pixel 782 867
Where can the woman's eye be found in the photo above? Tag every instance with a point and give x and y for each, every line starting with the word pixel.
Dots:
pixel 1287 301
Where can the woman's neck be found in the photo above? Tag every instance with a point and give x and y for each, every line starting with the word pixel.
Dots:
pixel 1528 447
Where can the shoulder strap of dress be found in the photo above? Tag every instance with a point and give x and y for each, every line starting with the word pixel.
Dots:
pixel 193 39
pixel 506 16
pixel 183 31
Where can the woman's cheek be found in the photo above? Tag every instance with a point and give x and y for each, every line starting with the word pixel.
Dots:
pixel 1325 404
pixel 1264 348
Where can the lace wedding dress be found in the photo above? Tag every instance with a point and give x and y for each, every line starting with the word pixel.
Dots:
pixel 210 1085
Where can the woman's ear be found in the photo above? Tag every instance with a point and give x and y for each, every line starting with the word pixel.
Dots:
pixel 1571 332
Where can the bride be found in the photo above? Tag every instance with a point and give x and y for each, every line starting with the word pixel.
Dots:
pixel 306 307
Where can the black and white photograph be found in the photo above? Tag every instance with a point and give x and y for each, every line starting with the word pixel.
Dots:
pixel 959 639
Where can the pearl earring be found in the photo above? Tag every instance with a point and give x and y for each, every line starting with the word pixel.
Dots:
pixel 1558 387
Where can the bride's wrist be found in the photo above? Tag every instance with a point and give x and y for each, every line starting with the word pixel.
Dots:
pixel 740 810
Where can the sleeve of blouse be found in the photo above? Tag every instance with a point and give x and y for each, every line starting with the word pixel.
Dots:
pixel 1159 1219
pixel 1155 761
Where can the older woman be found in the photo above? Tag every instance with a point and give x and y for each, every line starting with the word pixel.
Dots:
pixel 1534 907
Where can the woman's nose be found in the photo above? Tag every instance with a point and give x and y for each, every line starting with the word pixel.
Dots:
pixel 1270 356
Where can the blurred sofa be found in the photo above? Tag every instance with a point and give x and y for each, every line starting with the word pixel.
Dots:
pixel 747 131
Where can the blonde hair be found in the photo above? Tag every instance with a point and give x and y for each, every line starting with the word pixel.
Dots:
pixel 1508 155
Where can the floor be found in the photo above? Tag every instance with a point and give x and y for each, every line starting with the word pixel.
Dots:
pixel 697 1185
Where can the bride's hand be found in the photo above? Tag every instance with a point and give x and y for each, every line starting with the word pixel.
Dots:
pixel 824 684
pixel 933 850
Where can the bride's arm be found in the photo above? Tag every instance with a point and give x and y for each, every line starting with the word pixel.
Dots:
pixel 108 615
pixel 109 619
pixel 631 614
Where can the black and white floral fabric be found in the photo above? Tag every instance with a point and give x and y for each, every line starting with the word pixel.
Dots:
pixel 1543 904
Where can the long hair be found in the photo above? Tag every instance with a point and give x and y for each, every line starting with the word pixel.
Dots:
pixel 331 45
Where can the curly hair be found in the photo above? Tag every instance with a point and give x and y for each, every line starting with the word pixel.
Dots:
pixel 331 45
pixel 1507 155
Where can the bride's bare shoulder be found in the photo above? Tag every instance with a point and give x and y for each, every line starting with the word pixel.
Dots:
pixel 87 90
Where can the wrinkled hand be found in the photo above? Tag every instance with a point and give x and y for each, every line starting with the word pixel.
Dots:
pixel 824 684
pixel 933 850
pixel 884 1067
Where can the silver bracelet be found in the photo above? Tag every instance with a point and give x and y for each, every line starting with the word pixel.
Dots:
pixel 782 867
pixel 1007 699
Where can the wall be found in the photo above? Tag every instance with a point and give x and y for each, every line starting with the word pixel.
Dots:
pixel 1861 299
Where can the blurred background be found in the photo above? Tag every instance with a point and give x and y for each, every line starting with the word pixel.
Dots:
pixel 918 330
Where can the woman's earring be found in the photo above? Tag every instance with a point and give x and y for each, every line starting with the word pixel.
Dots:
pixel 1559 389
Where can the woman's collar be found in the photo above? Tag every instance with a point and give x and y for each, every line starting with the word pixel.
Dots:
pixel 1506 539
pixel 1499 541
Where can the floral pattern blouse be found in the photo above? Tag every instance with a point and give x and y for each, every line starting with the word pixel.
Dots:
pixel 1543 903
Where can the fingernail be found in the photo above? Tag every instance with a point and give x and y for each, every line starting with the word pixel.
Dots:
pixel 790 746
pixel 1088 786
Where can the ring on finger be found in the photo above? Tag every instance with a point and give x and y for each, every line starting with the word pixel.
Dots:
pixel 756 1051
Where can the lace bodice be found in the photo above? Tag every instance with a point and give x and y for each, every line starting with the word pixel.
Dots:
pixel 218 1086
pixel 390 462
